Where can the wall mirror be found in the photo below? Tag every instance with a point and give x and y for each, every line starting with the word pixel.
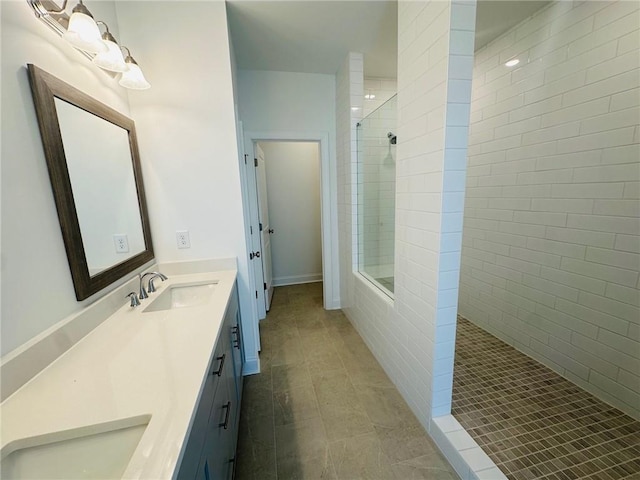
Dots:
pixel 94 166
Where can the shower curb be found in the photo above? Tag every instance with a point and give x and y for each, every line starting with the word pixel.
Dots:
pixel 462 451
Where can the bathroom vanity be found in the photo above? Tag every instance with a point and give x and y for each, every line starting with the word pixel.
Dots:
pixel 153 392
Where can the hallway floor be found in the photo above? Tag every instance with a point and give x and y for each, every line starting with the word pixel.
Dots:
pixel 323 408
pixel 533 423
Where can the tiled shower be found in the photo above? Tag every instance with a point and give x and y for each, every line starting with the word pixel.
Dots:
pixel 550 260
pixel 550 257
pixel 376 194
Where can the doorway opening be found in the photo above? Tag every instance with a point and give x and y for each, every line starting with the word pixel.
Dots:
pixel 289 215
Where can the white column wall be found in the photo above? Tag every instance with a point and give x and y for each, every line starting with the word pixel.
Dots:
pixel 413 337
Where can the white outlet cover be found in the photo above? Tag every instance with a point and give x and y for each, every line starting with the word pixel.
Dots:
pixel 182 239
pixel 121 243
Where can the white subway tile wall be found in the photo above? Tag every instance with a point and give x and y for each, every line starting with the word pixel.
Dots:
pixel 551 245
pixel 412 337
pixel 382 88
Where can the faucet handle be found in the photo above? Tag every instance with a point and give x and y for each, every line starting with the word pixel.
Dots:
pixel 134 299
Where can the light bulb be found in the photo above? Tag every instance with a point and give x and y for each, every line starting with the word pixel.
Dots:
pixel 83 33
pixel 112 59
pixel 133 78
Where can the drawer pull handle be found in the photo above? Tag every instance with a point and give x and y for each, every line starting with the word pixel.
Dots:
pixel 236 334
pixel 233 468
pixel 225 424
pixel 219 371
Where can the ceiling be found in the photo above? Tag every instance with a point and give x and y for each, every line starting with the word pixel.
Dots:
pixel 315 36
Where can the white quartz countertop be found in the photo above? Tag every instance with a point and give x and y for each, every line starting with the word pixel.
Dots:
pixel 133 364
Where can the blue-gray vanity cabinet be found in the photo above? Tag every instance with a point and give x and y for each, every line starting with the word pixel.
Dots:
pixel 210 450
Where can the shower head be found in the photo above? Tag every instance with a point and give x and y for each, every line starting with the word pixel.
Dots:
pixel 392 138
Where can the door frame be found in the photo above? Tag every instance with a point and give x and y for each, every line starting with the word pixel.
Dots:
pixel 328 214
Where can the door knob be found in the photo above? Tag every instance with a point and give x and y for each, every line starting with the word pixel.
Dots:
pixel 270 230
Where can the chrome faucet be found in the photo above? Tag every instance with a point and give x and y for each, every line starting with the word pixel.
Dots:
pixel 151 287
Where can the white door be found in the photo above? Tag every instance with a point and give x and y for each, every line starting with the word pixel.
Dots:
pixel 265 226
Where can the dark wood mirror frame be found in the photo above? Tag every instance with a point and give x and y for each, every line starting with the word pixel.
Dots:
pixel 45 89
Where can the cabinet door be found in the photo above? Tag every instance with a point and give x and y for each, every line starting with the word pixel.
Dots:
pixel 218 447
pixel 189 467
pixel 237 347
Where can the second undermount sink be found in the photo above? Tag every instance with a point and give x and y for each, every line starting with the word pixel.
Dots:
pixel 91 452
pixel 181 296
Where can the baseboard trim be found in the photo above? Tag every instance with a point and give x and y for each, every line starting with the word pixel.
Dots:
pixel 297 279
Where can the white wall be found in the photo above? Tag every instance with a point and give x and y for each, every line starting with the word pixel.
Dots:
pixel 37 290
pixel 293 191
pixel 289 105
pixel 551 249
pixel 413 337
pixel 187 134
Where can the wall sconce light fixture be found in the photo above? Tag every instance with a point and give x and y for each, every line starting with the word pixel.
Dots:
pixel 112 59
pixel 133 78
pixel 82 31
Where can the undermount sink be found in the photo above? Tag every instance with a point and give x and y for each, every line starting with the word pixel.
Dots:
pixel 181 296
pixel 91 452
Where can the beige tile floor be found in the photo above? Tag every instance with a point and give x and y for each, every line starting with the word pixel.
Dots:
pixel 323 408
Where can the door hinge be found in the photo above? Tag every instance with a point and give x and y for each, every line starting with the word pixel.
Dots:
pixel 251 229
pixel 260 227
pixel 256 293
pixel 245 158
pixel 265 286
pixel 255 162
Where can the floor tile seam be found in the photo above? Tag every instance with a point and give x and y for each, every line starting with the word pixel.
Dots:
pixel 551 451
pixel 598 471
pixel 504 360
pixel 547 462
pixel 273 420
pixel 507 400
pixel 474 380
pixel 573 466
pixel 484 408
pixel 471 375
pixel 518 424
pixel 546 437
pixel 495 401
pixel 470 378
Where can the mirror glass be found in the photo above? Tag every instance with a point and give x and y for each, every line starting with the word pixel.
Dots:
pixel 103 185
pixel 92 157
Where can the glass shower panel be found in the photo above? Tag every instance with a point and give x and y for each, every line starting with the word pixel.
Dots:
pixel 377 195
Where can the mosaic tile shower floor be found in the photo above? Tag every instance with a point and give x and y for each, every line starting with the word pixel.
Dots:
pixel 533 423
